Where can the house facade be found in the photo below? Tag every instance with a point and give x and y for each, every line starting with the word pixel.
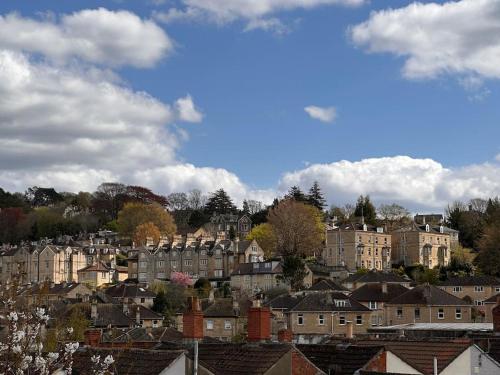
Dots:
pixel 429 245
pixel 358 246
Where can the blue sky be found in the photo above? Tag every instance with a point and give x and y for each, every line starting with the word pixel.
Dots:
pixel 252 86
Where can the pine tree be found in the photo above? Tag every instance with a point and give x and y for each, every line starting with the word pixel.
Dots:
pixel 219 203
pixel 296 194
pixel 315 197
pixel 366 210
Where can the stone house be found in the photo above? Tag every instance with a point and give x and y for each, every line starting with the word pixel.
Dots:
pixel 358 246
pixel 227 223
pixel 96 275
pixel 250 278
pixel 429 245
pixel 47 293
pixel 15 262
pixel 225 318
pixel 475 289
pixel 375 296
pixel 427 304
pixel 131 293
pixel 326 314
pixel 56 263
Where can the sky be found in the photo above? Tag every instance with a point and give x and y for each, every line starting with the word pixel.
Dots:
pixel 394 99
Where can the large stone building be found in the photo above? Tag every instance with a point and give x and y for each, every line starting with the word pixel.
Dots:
pixel 426 244
pixel 202 257
pixel 358 246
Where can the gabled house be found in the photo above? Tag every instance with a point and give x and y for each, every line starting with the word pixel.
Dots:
pixel 252 277
pixel 96 275
pixel 427 304
pixel 375 296
pixel 126 293
pixel 475 289
pixel 225 318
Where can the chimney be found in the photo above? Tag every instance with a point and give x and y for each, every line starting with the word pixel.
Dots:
pixel 93 311
pixel 138 315
pixel 496 317
pixel 350 330
pixel 211 296
pixel 259 322
pixel 384 287
pixel 92 337
pixel 192 321
pixel 285 335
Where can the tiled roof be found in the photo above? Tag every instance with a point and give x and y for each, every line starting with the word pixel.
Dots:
pixel 123 290
pixel 376 277
pixel 284 301
pixel 257 268
pixel 144 313
pixel 420 354
pixel 427 295
pixel 127 361
pixel 107 315
pixel 471 281
pixel 328 302
pixel 493 298
pixel 373 292
pixel 235 359
pixel 325 285
pixel 344 360
pixel 139 334
pixel 56 289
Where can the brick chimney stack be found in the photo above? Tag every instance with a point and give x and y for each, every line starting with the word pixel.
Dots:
pixel 496 317
pixel 259 322
pixel 192 321
pixel 285 335
pixel 92 337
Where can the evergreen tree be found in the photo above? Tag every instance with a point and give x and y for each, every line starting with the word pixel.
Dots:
pixel 365 209
pixel 315 197
pixel 246 208
pixel 296 194
pixel 219 203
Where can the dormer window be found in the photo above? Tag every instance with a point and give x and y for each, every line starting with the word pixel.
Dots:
pixel 427 228
pixel 441 229
pixel 340 303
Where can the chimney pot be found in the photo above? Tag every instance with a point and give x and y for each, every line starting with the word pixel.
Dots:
pixel 285 335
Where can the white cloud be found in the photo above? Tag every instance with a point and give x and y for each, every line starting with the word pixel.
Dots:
pixel 323 114
pixel 187 111
pixel 268 24
pixel 416 183
pixel 456 37
pixel 99 36
pixel 74 129
pixel 256 12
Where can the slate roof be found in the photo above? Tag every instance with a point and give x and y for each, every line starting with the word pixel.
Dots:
pixel 223 307
pixel 98 267
pixel 107 315
pixel 257 268
pixel 325 285
pixel 373 292
pixel 427 294
pixel 376 277
pixel 492 299
pixel 321 269
pixel 236 359
pixel 345 360
pixel 356 226
pixel 56 289
pixel 326 302
pixel 144 312
pixel 284 301
pixel 123 290
pixel 139 334
pixel 127 361
pixel 420 354
pixel 471 281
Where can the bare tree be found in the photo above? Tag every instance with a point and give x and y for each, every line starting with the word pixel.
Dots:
pixel 393 215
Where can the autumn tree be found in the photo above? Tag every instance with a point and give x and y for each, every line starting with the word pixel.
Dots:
pixel 265 237
pixel 489 251
pixel 146 231
pixel 134 214
pixel 298 228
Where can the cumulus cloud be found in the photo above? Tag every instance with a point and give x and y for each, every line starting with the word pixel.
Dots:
pixel 323 114
pixel 455 37
pixel 415 183
pixel 99 36
pixel 187 111
pixel 258 13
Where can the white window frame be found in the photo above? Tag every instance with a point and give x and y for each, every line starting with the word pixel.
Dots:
pixel 440 313
pixel 321 319
pixel 342 320
pixel 359 320
pixel 227 325
pixel 300 319
pixel 458 313
pixel 210 325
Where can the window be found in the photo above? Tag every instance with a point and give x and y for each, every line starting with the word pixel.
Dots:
pixel 203 262
pixel 203 273
pixel 210 324
pixel 359 320
pixel 227 324
pixel 103 275
pixel 340 302
pixel 142 276
pixel 300 319
pixel 497 289
pixel 155 323
pixel 143 300
pixel 399 312
pixel 458 313
pixel 440 313
pixel 372 305
pixel 143 264
pixel 203 253
pixel 478 302
pixel 417 313
pixel 478 289
pixel 342 320
pixel 187 254
pixel 161 263
pixel 218 263
pixel 457 289
pixel 218 273
pixel 188 262
pixel 374 320
pixel 173 263
pixel 321 319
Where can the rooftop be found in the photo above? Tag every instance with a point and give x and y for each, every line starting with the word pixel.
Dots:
pixel 481 280
pixel 373 292
pixel 331 301
pixel 427 294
